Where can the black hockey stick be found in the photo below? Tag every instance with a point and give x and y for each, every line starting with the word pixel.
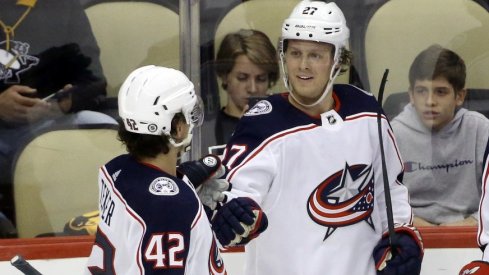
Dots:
pixel 387 191
pixel 21 264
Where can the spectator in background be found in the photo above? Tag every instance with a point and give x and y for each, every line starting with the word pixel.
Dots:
pixel 442 144
pixel 247 66
pixel 50 76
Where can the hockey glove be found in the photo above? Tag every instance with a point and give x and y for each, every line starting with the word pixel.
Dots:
pixel 238 222
pixel 199 171
pixel 204 175
pixel 210 192
pixel 476 268
pixel 404 256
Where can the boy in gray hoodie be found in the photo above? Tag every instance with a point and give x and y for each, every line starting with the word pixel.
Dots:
pixel 442 144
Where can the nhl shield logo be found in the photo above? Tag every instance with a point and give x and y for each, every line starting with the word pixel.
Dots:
pixel 163 187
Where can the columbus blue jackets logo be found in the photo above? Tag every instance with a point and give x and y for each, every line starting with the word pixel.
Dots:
pixel 163 187
pixel 260 108
pixel 343 199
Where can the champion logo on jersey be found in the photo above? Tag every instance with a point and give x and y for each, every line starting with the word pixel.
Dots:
pixel 163 187
pixel 260 108
pixel 343 199
pixel 412 166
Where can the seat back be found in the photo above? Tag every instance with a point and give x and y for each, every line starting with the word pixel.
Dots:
pixel 132 34
pixel 263 15
pixel 478 100
pixel 55 177
pixel 400 29
pixel 394 104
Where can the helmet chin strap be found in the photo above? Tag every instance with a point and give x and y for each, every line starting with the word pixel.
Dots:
pixel 323 96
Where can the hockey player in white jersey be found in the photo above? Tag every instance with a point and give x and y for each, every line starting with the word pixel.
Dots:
pixel 152 221
pixel 481 266
pixel 311 159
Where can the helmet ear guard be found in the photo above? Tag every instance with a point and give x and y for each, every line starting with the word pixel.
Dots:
pixel 150 97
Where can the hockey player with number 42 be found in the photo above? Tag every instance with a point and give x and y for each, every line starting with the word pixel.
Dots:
pixel 311 159
pixel 151 218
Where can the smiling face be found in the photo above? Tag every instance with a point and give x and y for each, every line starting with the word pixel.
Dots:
pixel 244 80
pixel 308 66
pixel 435 101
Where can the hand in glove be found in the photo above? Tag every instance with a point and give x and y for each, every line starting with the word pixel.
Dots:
pixel 239 221
pixel 204 175
pixel 403 256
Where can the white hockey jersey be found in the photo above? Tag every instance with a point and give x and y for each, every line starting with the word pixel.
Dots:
pixel 483 233
pixel 319 180
pixel 151 223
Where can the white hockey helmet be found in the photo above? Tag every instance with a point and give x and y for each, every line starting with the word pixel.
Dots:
pixel 150 97
pixel 317 21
